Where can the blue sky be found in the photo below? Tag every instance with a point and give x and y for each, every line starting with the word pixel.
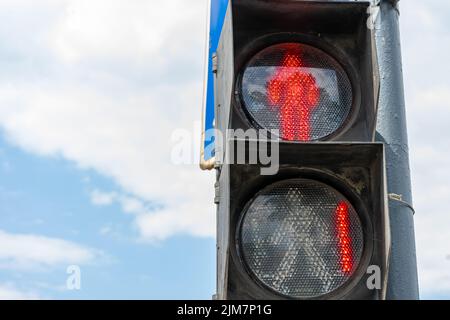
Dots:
pixel 91 92
pixel 51 197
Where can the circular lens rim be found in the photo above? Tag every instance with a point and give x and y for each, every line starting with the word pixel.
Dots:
pixel 334 183
pixel 265 42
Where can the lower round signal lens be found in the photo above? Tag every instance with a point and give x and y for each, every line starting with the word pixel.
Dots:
pixel 297 89
pixel 301 238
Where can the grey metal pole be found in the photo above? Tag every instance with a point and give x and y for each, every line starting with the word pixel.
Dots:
pixel 392 130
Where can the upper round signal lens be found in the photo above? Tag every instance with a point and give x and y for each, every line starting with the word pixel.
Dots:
pixel 297 89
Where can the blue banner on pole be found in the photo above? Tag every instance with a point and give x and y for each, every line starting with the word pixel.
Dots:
pixel 217 17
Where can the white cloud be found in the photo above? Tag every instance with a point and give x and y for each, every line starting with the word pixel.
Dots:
pixel 9 292
pixel 100 198
pixel 114 29
pixel 110 84
pixel 133 205
pixel 177 220
pixel 426 41
pixel 28 252
pixel 157 224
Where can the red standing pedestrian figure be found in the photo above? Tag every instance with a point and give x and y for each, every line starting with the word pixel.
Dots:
pixel 344 238
pixel 295 92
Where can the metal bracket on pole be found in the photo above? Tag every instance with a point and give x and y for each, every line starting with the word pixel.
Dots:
pixel 399 198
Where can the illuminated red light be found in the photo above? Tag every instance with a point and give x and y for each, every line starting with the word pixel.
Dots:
pixel 295 92
pixel 344 239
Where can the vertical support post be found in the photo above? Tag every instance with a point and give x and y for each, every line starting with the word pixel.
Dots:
pixel 392 130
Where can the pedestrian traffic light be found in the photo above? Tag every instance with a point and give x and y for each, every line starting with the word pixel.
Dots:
pixel 272 52
pixel 311 231
pixel 304 72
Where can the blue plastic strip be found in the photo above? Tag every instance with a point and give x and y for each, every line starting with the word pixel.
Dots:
pixel 218 13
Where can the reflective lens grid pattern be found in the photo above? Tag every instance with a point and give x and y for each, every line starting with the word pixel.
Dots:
pixel 296 89
pixel 301 238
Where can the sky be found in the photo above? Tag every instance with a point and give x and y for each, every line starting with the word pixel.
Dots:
pixel 92 93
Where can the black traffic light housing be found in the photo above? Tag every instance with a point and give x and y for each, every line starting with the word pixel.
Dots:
pixel 348 160
pixel 356 170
